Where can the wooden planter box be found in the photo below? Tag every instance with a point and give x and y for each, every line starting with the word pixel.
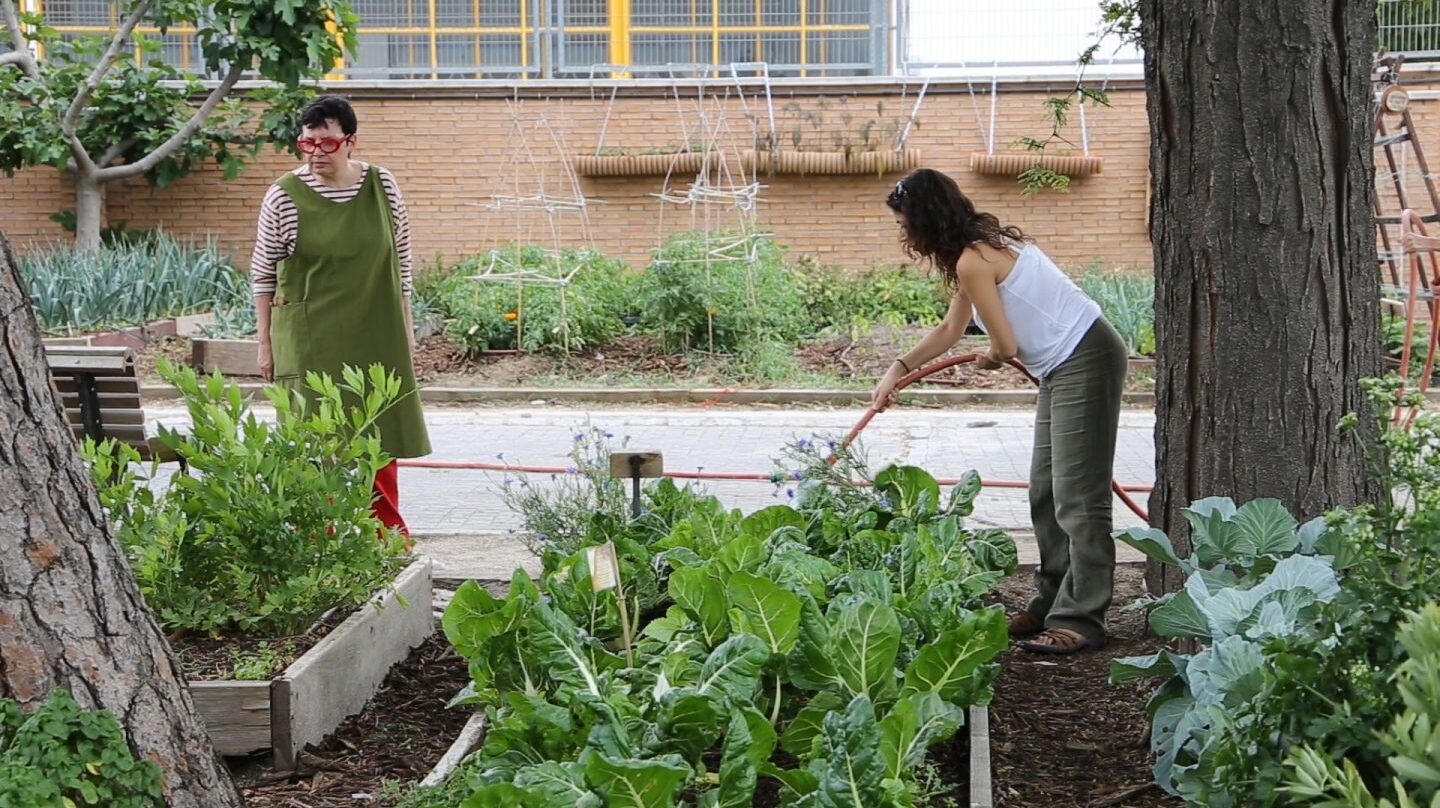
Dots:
pixel 638 165
pixel 836 162
pixel 328 683
pixel 232 357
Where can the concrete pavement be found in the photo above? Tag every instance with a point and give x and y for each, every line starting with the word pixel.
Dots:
pixel 461 521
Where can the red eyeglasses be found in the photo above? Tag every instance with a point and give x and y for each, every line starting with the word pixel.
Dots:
pixel 325 145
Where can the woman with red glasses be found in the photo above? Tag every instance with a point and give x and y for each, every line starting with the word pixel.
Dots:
pixel 331 276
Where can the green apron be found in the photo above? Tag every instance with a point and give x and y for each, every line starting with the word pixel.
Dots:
pixel 338 302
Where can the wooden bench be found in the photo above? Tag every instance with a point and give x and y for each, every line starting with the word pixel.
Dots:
pixel 101 395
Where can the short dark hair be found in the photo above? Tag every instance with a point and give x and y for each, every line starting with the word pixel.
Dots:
pixel 329 108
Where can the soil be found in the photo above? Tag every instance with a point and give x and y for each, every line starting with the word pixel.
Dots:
pixel 839 361
pixel 1060 733
pixel 210 658
pixel 401 733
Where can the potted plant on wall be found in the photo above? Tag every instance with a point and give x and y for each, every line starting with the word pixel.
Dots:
pixel 808 142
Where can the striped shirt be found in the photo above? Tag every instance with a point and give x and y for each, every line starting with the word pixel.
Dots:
pixel 280 223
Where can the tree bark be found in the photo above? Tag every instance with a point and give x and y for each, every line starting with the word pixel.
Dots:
pixel 89 212
pixel 70 613
pixel 1266 292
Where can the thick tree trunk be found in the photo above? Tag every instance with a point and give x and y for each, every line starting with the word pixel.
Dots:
pixel 70 613
pixel 89 212
pixel 1266 297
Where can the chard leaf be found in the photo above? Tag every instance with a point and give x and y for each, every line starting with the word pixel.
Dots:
pixel 811 664
pixel 962 496
pixel 914 723
pixel 732 671
pixel 766 610
pixel 801 732
pixel 867 640
pixel 852 772
pixel 911 491
pixel 763 523
pixel 946 666
pixel 556 785
pixel 631 783
pixel 702 596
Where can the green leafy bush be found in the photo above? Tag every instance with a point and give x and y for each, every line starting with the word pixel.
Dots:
pixel 721 292
pixel 823 648
pixel 840 300
pixel 62 755
pixel 1128 301
pixel 1301 626
pixel 272 526
pixel 129 283
pixel 490 315
pixel 1413 740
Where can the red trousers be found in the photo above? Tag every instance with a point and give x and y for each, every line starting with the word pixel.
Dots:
pixel 387 499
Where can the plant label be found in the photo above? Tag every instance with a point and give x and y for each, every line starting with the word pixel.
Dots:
pixel 604 566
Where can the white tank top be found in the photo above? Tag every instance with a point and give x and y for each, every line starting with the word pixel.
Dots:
pixel 1048 313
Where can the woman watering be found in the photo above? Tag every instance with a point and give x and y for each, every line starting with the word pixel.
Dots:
pixel 1032 312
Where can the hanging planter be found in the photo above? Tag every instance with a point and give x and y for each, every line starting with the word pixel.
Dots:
pixel 832 162
pixel 1012 163
pixel 639 165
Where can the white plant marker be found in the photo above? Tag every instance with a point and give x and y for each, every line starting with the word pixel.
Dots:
pixel 605 574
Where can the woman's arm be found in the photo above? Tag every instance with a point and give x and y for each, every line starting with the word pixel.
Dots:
pixel 940 339
pixel 977 278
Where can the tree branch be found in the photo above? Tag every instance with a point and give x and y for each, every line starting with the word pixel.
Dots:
pixel 115 151
pixel 20 48
pixel 112 54
pixel 191 126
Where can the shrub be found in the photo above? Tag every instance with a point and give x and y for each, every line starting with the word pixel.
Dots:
pixel 840 300
pixel 489 314
pixel 273 525
pixel 721 292
pixel 128 283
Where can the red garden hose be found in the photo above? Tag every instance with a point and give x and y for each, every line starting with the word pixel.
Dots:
pixel 935 367
pixel 870 413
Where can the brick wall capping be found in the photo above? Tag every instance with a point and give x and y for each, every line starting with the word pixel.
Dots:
pixel 1012 163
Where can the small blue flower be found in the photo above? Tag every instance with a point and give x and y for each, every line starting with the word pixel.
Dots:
pixel 609 434
pixel 799 475
pixel 579 436
pixel 790 493
pixel 831 443
pixel 500 456
pixel 542 537
pixel 554 476
pixel 802 444
pixel 699 468
pixel 571 470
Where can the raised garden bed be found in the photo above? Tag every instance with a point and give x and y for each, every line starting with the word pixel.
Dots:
pixel 232 357
pixel 329 682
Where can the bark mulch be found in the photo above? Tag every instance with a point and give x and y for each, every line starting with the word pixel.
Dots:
pixel 1060 733
pixel 400 735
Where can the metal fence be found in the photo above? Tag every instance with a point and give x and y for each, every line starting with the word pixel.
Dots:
pixel 521 39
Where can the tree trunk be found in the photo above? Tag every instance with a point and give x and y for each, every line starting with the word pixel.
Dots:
pixel 89 212
pixel 70 613
pixel 1266 286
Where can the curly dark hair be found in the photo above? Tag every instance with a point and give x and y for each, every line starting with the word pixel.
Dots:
pixel 329 108
pixel 941 222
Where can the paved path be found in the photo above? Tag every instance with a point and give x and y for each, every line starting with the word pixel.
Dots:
pixel 463 521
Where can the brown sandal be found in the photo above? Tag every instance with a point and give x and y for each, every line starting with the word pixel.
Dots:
pixel 1059 641
pixel 1024 624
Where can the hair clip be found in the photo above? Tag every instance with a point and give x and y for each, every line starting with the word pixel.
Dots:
pixel 900 188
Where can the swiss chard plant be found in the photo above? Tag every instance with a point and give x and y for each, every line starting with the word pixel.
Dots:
pixel 796 649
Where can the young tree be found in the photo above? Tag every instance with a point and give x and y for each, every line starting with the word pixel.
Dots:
pixel 70 613
pixel 104 109
pixel 1266 287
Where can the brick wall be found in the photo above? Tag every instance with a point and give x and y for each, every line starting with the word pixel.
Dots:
pixel 452 153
